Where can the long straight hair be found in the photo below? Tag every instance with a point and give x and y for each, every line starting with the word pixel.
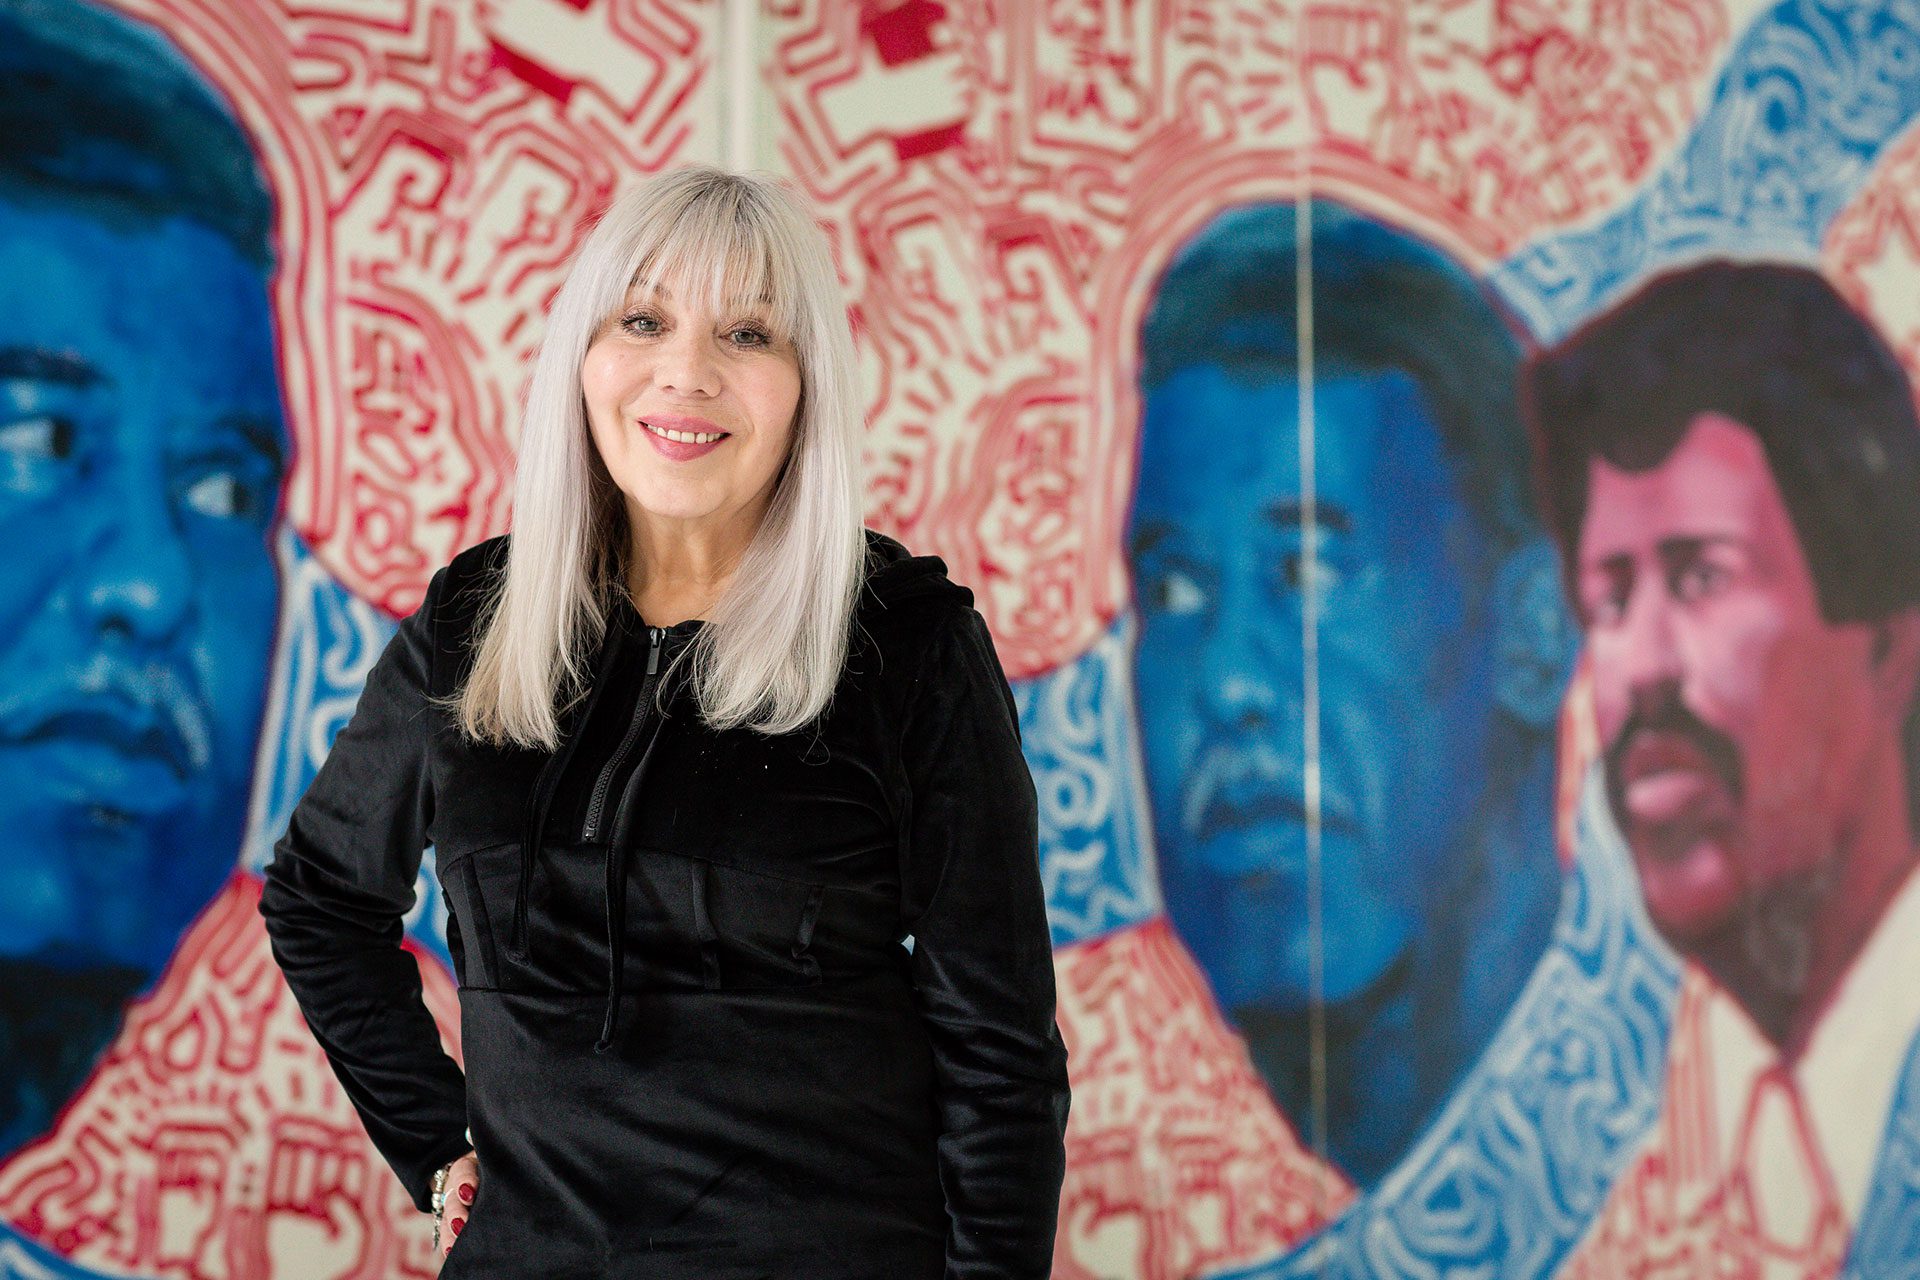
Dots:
pixel 772 649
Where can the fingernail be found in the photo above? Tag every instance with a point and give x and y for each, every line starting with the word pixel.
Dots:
pixel 466 1192
pixel 457 1224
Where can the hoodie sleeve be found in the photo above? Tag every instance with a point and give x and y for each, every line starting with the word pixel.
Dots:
pixel 983 959
pixel 340 880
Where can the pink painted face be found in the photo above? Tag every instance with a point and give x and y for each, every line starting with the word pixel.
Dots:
pixel 1737 721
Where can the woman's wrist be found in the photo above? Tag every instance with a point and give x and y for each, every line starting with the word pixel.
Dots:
pixel 438 1200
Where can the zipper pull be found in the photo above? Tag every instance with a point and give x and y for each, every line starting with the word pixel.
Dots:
pixel 653 653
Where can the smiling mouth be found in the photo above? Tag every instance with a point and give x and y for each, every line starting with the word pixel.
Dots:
pixel 686 437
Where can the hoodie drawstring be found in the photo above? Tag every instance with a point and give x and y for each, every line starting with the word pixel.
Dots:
pixel 617 896
pixel 703 925
pixel 544 787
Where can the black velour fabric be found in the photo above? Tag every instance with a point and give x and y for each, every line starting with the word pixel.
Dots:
pixel 694 1042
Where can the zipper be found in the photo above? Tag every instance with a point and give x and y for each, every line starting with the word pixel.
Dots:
pixel 597 804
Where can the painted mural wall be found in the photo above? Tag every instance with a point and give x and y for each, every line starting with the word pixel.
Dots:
pixel 1442 475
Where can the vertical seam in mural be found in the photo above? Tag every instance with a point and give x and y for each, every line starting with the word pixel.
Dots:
pixel 739 54
pixel 1310 666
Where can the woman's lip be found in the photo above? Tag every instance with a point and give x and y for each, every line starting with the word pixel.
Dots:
pixel 679 422
pixel 680 450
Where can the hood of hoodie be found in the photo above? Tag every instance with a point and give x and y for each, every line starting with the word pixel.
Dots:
pixel 895 575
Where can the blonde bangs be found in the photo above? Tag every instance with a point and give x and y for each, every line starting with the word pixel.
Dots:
pixel 715 249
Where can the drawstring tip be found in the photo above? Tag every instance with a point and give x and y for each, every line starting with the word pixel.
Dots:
pixel 605 1042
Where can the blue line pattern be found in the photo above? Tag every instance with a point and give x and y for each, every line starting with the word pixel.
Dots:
pixel 1077 727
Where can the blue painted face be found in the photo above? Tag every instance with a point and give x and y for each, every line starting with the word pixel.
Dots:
pixel 141 448
pixel 1406 695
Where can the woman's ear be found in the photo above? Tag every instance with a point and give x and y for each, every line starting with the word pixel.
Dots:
pixel 1535 639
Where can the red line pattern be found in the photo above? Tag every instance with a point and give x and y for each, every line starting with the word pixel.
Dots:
pixel 434 163
pixel 1178 1162
pixel 212 1140
pixel 1004 183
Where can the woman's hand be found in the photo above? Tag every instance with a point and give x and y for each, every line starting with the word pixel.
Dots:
pixel 463 1184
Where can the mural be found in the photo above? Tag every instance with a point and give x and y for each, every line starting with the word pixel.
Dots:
pixel 1441 475
pixel 144 452
pixel 1366 932
pixel 1738 527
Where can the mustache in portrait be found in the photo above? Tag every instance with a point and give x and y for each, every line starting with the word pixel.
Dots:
pixel 1658 709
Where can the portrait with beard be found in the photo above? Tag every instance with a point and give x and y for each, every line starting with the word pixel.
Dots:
pixel 1355 841
pixel 1730 460
pixel 142 452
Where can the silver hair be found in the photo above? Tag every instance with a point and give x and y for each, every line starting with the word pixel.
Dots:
pixel 773 647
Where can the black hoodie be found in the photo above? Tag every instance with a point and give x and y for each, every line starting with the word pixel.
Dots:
pixel 695 1044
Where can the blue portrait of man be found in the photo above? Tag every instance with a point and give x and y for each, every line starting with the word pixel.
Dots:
pixel 142 449
pixel 1349 664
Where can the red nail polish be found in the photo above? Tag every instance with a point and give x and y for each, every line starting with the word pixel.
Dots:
pixel 457 1224
pixel 466 1192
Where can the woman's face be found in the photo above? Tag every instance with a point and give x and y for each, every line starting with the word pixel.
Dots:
pixel 658 365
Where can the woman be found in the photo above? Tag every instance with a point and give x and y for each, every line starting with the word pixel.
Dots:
pixel 729 810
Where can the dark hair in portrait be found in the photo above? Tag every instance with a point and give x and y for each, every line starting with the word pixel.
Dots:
pixel 1382 299
pixel 1776 348
pixel 103 116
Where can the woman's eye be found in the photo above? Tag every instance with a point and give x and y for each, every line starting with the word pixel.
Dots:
pixel 639 323
pixel 754 337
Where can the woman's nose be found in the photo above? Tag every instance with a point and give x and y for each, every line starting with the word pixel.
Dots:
pixel 686 364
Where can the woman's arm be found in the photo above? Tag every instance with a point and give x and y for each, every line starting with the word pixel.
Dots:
pixel 340 880
pixel 983 959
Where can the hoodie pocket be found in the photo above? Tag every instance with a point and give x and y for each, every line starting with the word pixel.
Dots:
pixel 459 875
pixel 752 929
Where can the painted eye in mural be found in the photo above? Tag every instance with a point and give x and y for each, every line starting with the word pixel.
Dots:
pixel 30 448
pixel 1698 578
pixel 223 495
pixel 1299 571
pixel 1171 591
pixel 1603 599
